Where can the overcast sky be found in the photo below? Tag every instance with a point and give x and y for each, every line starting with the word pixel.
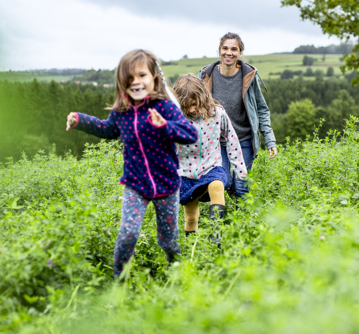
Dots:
pixel 97 33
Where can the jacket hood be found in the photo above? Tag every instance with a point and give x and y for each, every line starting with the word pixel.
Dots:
pixel 246 68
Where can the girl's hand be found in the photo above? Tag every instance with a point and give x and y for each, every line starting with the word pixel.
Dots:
pixel 156 118
pixel 71 120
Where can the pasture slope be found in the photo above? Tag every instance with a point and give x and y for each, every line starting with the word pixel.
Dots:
pixel 289 261
pixel 266 64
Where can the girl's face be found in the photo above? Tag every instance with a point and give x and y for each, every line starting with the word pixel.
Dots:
pixel 142 85
pixel 193 108
pixel 230 52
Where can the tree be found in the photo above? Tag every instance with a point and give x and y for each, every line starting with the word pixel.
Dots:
pixel 287 74
pixel 300 119
pixel 335 17
pixel 319 75
pixel 330 71
pixel 309 72
pixel 341 108
pixel 308 61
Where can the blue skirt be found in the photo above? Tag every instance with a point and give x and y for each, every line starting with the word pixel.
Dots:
pixel 192 189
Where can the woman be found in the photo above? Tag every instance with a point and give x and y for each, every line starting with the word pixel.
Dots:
pixel 234 84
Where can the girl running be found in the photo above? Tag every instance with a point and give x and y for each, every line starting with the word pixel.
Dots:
pixel 149 124
pixel 203 177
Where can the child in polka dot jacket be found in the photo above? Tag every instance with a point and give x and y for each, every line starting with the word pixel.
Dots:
pixel 203 177
pixel 149 124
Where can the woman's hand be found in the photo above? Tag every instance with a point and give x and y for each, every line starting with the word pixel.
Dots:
pixel 272 152
pixel 71 120
pixel 156 118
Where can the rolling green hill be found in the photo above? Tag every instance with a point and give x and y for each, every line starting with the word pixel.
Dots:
pixel 266 64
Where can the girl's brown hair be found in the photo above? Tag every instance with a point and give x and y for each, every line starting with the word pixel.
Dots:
pixel 188 89
pixel 125 72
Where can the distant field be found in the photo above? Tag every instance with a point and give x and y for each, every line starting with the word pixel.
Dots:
pixel 24 76
pixel 265 64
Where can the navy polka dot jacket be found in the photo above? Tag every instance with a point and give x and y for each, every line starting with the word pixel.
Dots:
pixel 150 160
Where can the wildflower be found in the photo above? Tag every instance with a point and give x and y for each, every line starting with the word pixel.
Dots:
pixel 120 198
pixel 49 264
pixel 322 237
pixel 313 133
pixel 305 183
pixel 59 286
pixel 143 236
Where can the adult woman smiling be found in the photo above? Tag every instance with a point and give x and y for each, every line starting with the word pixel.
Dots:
pixel 234 84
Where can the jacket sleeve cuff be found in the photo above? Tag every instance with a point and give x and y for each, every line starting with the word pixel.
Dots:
pixel 271 144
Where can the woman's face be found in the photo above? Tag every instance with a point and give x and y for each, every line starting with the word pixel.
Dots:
pixel 230 52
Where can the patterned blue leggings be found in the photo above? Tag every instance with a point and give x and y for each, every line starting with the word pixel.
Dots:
pixel 133 209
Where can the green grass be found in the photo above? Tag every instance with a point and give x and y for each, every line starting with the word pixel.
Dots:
pixel 265 64
pixel 288 264
pixel 25 77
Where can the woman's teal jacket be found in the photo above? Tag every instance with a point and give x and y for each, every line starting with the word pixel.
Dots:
pixel 255 104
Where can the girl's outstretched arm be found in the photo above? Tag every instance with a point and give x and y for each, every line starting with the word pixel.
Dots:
pixel 234 150
pixel 94 126
pixel 175 125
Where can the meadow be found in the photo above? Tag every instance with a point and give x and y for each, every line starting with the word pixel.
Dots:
pixel 24 76
pixel 266 64
pixel 289 262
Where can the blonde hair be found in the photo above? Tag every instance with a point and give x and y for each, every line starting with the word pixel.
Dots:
pixel 189 88
pixel 125 72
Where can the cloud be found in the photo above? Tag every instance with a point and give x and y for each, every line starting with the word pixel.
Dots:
pixel 254 15
pixel 82 34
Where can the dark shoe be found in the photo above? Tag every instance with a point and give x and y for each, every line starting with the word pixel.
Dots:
pixel 230 192
pixel 189 232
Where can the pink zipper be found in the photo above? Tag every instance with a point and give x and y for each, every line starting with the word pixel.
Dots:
pixel 144 155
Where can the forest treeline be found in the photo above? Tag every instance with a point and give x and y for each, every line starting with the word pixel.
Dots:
pixel 342 48
pixel 33 114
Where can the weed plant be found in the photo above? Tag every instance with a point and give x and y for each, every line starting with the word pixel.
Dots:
pixel 289 261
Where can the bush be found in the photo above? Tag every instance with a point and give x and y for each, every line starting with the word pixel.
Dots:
pixel 287 74
pixel 319 74
pixel 287 249
pixel 300 119
pixel 308 61
pixel 330 71
pixel 309 72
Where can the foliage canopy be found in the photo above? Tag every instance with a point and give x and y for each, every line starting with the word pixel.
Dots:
pixel 335 17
